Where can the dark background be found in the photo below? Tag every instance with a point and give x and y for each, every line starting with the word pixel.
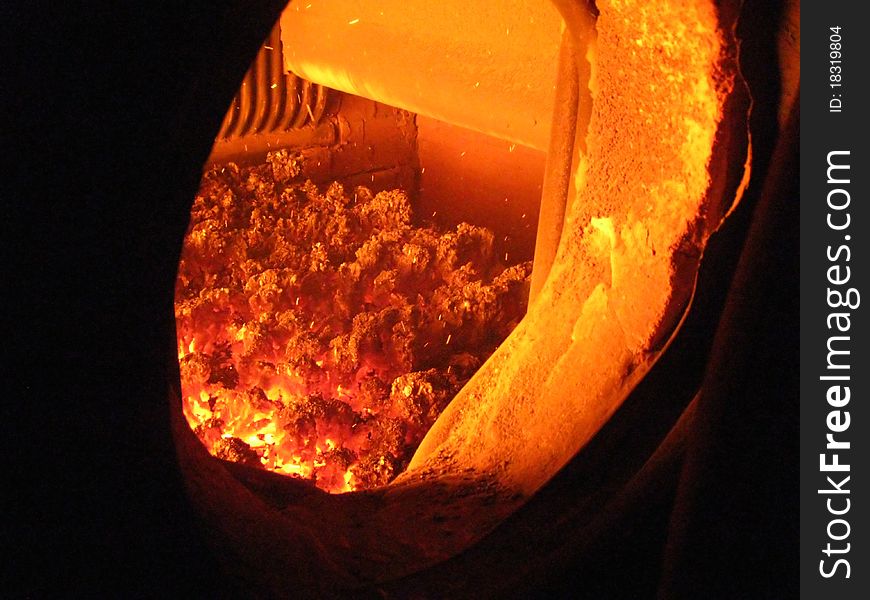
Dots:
pixel 108 112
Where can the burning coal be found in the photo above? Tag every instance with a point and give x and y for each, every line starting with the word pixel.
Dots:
pixel 320 334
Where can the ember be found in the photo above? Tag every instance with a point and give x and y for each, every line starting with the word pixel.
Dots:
pixel 321 334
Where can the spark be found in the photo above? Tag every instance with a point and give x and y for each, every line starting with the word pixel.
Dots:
pixel 353 22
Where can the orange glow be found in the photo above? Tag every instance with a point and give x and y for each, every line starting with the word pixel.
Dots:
pixel 321 334
pixel 487 65
pixel 659 111
pixel 639 213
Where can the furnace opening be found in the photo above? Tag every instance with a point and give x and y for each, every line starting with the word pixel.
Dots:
pixel 647 155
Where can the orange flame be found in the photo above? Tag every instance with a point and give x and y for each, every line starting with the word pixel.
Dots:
pixel 304 323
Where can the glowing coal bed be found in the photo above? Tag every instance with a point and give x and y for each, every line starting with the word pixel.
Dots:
pixel 322 332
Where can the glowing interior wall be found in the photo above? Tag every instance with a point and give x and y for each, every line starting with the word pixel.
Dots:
pixel 486 65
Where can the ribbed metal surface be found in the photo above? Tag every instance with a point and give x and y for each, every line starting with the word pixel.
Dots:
pixel 270 100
